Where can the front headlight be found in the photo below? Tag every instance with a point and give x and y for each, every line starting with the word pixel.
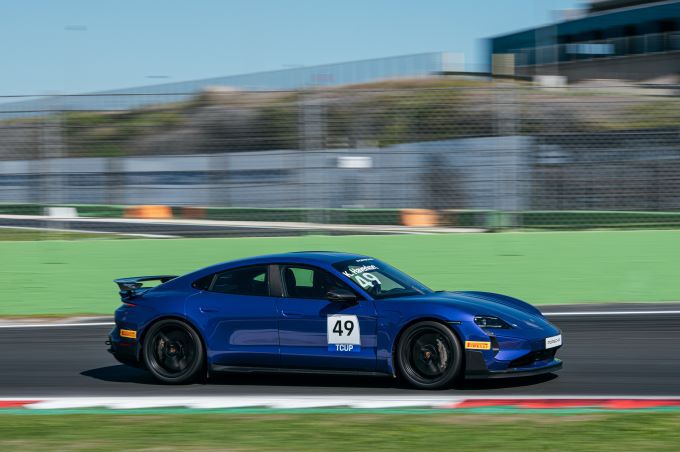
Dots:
pixel 489 321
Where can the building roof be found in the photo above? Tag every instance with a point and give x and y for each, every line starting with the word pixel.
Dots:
pixel 605 5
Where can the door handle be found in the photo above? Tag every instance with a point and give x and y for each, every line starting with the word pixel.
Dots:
pixel 205 310
pixel 292 314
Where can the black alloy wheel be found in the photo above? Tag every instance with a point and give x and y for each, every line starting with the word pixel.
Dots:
pixel 429 355
pixel 173 352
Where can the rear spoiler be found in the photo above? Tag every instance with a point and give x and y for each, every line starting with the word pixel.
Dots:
pixel 132 287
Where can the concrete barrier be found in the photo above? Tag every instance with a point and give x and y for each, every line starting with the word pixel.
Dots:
pixel 61 212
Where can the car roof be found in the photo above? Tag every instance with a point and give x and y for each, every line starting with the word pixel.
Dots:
pixel 308 257
pixel 323 256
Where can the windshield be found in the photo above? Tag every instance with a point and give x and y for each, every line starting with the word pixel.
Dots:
pixel 379 279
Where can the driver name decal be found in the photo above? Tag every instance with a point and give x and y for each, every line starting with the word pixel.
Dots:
pixel 351 271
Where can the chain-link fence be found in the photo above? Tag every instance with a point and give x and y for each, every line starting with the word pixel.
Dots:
pixel 473 153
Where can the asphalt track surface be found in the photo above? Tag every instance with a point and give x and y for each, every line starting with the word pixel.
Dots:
pixel 604 355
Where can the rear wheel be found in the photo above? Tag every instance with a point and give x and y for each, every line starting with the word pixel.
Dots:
pixel 173 352
pixel 429 355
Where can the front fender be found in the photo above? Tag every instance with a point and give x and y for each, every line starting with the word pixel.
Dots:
pixel 392 322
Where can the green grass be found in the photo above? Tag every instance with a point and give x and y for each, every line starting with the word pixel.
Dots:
pixel 343 432
pixel 75 277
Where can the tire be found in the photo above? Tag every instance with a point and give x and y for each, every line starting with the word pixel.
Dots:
pixel 429 355
pixel 173 352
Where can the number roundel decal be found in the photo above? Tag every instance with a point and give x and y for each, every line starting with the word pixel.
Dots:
pixel 343 333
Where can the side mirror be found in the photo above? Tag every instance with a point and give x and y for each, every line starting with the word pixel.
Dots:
pixel 341 296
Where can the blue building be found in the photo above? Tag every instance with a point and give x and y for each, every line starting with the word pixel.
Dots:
pixel 613 39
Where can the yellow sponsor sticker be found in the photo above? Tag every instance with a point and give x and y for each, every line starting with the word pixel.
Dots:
pixel 478 345
pixel 130 334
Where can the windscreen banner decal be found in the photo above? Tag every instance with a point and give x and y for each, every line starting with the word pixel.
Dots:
pixel 343 333
pixel 361 275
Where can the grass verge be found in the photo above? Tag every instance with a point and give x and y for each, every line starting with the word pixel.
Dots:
pixel 68 277
pixel 602 431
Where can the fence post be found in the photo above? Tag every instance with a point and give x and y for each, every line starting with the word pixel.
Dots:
pixel 312 129
pixel 505 173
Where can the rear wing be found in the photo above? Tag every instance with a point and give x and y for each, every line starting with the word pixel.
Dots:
pixel 133 287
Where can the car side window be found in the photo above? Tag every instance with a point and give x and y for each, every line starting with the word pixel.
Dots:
pixel 308 282
pixel 242 281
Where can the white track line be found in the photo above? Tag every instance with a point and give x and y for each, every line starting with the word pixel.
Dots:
pixel 254 224
pixel 87 231
pixel 52 325
pixel 547 314
pixel 586 313
pixel 264 399
pixel 285 402
pixel 291 402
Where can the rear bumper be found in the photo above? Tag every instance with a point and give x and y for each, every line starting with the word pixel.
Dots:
pixel 125 351
pixel 476 368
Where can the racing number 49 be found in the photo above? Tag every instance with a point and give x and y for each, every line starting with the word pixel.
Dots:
pixel 366 280
pixel 338 327
pixel 344 333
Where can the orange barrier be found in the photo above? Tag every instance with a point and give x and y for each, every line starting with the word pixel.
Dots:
pixel 148 212
pixel 422 218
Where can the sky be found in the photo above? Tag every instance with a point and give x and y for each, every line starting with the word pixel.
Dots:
pixel 74 46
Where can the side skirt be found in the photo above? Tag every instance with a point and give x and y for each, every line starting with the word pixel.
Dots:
pixel 242 369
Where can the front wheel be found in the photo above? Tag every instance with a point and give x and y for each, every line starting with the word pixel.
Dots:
pixel 429 355
pixel 173 352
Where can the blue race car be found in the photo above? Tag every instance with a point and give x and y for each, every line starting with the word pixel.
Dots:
pixel 325 312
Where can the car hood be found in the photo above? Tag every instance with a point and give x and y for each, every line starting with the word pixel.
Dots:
pixel 512 310
pixel 495 299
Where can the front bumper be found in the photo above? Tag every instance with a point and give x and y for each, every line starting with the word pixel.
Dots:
pixel 511 357
pixel 476 368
